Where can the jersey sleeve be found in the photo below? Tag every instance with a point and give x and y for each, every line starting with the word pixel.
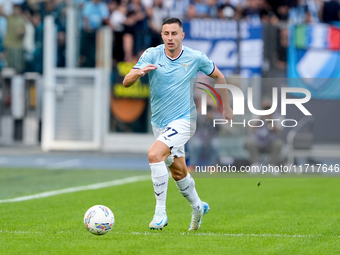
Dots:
pixel 145 59
pixel 206 65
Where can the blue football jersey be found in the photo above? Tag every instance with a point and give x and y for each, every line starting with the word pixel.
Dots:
pixel 170 86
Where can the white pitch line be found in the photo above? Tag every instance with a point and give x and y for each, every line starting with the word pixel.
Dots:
pixel 184 233
pixel 19 232
pixel 233 235
pixel 80 188
pixel 228 234
pixel 255 235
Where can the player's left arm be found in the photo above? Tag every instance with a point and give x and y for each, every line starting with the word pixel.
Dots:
pixel 227 111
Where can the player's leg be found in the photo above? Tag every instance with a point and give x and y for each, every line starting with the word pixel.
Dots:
pixel 161 154
pixel 186 185
pixel 157 154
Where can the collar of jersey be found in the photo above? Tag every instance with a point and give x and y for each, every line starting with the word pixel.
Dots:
pixel 173 59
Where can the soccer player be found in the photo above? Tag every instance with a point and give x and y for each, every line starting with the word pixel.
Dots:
pixel 170 67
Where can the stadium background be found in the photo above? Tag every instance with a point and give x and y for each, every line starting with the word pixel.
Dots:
pixel 258 43
pixel 62 107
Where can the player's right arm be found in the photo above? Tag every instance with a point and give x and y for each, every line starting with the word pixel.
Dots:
pixel 135 74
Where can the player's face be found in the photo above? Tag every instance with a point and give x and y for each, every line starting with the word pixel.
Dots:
pixel 172 35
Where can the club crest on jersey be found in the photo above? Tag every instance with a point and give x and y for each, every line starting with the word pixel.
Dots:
pixel 186 66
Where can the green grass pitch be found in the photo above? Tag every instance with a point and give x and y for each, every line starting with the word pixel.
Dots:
pixel 281 216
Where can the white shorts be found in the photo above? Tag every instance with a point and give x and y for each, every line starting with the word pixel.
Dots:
pixel 175 136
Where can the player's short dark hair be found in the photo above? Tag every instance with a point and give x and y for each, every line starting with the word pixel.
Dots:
pixel 172 21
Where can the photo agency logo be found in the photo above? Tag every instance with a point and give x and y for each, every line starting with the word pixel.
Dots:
pixel 238 105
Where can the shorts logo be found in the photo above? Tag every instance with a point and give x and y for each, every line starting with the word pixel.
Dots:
pixel 166 138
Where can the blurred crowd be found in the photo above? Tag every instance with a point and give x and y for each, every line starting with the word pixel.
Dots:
pixel 136 24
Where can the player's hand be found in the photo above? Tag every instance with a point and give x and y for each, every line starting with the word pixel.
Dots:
pixel 147 69
pixel 228 113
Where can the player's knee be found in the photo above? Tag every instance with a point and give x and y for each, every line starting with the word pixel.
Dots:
pixel 154 156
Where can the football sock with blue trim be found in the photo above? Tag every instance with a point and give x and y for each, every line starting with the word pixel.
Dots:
pixel 160 179
pixel 187 188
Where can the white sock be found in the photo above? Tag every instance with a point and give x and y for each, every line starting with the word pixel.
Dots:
pixel 187 187
pixel 160 179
